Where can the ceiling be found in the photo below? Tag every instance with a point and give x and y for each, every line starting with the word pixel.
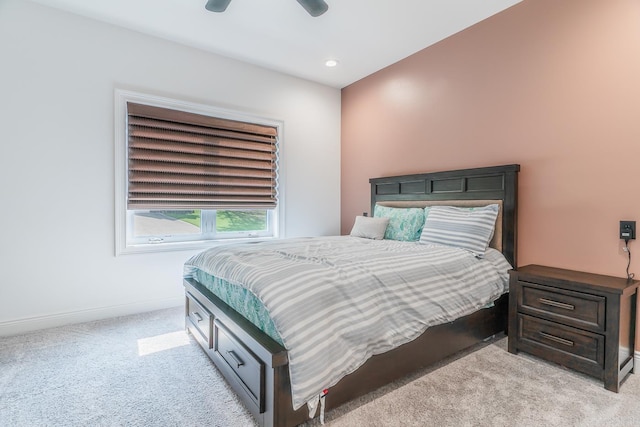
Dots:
pixel 363 35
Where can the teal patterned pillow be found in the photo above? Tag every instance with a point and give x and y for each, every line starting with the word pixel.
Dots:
pixel 404 223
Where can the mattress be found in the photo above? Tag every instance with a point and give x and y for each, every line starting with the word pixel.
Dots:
pixel 336 301
pixel 241 300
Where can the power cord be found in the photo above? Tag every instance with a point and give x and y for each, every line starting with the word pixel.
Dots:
pixel 628 251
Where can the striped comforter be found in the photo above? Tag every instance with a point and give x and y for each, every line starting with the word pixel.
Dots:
pixel 337 301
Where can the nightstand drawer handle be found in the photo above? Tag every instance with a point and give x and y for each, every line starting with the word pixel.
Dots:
pixel 197 316
pixel 556 339
pixel 556 304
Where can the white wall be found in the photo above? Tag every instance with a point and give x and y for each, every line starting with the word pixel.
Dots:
pixel 58 73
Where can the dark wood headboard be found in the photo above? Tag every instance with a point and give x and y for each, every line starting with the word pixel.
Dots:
pixel 491 183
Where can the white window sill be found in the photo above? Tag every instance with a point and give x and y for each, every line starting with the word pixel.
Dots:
pixel 185 246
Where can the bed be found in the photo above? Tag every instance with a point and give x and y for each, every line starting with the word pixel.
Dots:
pixel 256 364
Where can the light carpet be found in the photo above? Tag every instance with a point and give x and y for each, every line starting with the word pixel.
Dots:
pixel 143 370
pixel 140 370
pixel 492 387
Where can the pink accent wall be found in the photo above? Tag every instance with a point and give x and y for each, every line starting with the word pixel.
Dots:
pixel 551 85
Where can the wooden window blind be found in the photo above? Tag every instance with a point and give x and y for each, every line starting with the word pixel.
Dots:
pixel 181 160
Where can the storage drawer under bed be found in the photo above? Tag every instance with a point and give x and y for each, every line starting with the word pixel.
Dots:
pixel 199 320
pixel 247 369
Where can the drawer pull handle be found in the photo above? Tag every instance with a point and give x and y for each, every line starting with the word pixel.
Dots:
pixel 197 316
pixel 556 304
pixel 557 339
pixel 235 358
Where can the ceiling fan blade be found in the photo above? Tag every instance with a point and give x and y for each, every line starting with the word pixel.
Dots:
pixel 217 5
pixel 314 7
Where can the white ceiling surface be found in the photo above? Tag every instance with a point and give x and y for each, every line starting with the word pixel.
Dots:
pixel 363 35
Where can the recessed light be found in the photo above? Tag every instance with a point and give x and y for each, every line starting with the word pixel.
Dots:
pixel 331 63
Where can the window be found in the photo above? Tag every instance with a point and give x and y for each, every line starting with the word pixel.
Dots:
pixel 187 175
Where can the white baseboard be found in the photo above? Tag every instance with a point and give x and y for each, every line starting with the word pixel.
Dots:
pixel 636 362
pixel 21 326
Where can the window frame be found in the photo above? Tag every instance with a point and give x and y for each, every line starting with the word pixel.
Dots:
pixel 122 217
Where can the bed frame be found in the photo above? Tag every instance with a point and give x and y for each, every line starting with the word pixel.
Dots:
pixel 256 366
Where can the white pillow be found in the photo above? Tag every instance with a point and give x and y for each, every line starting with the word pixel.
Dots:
pixel 369 228
pixel 465 228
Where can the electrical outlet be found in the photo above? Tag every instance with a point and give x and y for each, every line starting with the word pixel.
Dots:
pixel 627 230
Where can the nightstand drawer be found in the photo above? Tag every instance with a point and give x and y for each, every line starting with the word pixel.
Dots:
pixel 568 307
pixel 562 344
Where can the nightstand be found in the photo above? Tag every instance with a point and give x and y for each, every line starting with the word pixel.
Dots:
pixel 582 321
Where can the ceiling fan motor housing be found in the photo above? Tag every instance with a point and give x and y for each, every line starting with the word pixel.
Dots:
pixel 313 7
pixel 217 5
